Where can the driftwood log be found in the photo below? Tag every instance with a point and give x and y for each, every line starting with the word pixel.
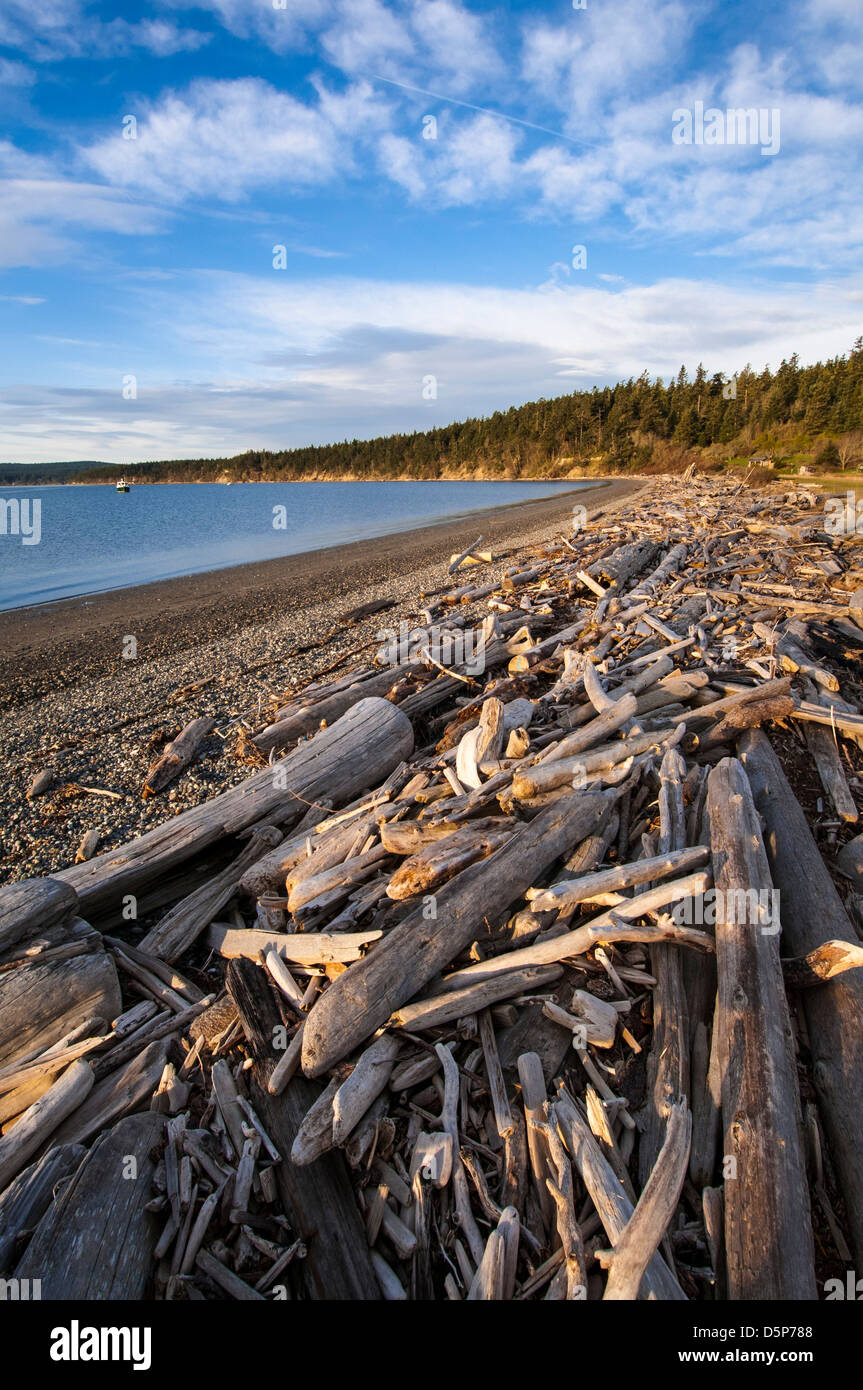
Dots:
pixel 97 1239
pixel 768 1231
pixel 363 999
pixel 812 913
pixel 358 751
pixel 319 1197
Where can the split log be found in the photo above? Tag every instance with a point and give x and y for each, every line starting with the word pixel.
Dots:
pixel 128 1089
pixel 768 1231
pixel 97 1241
pixel 812 913
pixel 362 999
pixel 177 755
pixel 825 754
pixel 319 1198
pixel 357 752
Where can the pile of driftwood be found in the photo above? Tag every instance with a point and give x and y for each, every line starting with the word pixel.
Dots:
pixel 514 971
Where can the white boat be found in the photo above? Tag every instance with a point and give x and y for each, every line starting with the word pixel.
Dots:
pixel 122 485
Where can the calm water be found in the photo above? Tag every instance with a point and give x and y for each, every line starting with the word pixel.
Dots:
pixel 93 538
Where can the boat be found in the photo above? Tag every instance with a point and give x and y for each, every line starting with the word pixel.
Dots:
pixel 122 485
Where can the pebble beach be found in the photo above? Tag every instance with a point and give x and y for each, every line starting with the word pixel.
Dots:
pixel 231 644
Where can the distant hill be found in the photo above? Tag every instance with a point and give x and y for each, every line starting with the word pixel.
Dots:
pixel 36 473
pixel 796 415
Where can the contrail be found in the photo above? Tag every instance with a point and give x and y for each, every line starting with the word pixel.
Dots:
pixel 486 110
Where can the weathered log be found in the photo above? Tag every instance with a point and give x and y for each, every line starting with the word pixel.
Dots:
pixel 811 914
pixel 655 1208
pixel 28 1197
pixel 34 904
pixel 177 755
pixel 362 999
pixel 118 1094
pixel 299 723
pixel 356 752
pixel 459 1003
pixel 668 1061
pixel 175 932
pixel 44 1117
pixel 97 1240
pixel 429 868
pixel 319 1198
pixel 768 1231
pixel 41 1003
pixel 304 948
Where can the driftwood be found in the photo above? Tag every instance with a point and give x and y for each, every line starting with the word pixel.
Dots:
pixel 462 939
pixel 646 1227
pixel 338 763
pixel 97 1239
pixel 668 1063
pixel 177 930
pixel 34 904
pixel 319 1197
pixel 811 914
pixel 768 1233
pixel 41 1003
pixel 26 1200
pixel 177 755
pixel 361 1000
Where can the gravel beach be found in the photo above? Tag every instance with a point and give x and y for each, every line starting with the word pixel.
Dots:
pixel 230 643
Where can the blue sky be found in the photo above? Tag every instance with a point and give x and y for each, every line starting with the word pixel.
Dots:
pixel 407 258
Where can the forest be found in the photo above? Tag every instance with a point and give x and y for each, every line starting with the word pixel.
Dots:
pixel 796 417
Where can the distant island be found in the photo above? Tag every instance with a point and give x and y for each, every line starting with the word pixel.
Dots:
pixel 795 419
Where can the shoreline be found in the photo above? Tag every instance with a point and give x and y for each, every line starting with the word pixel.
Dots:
pixel 61 641
pixel 230 644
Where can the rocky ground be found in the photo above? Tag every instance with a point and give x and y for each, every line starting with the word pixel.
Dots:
pixel 235 655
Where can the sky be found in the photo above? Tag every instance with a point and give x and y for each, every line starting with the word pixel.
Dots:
pixel 264 223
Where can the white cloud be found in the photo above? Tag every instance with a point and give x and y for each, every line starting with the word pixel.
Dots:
pixel 52 29
pixel 38 210
pixel 225 138
pixel 346 357
pixel 603 55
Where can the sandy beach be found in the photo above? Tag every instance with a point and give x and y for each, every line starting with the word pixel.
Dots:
pixel 224 643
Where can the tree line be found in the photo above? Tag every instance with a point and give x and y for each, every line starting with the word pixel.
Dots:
pixel 795 415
